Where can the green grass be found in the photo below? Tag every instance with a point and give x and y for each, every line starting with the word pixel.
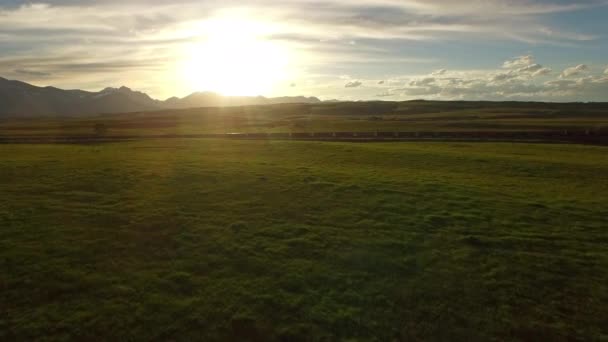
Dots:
pixel 278 240
pixel 409 116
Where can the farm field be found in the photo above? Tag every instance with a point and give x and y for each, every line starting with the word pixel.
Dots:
pixel 205 239
pixel 408 116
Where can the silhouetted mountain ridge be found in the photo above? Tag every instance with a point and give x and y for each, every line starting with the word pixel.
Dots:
pixel 25 100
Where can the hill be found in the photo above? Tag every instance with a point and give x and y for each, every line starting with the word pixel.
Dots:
pixel 20 99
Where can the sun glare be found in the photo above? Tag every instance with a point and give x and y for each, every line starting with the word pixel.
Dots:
pixel 233 58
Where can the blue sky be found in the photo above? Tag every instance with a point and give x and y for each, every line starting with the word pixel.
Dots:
pixel 346 49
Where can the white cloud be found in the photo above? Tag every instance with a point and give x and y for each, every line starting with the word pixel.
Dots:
pixel 542 72
pixel 27 72
pixel 353 84
pixel 503 76
pixel 422 82
pixel 519 62
pixel 522 66
pixel 519 82
pixel 499 7
pixel 385 94
pixel 532 68
pixel 561 84
pixel 574 71
pixel 439 72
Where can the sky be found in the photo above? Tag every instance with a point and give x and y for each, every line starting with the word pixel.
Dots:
pixel 538 50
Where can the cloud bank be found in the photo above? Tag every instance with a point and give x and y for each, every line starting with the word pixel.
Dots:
pixel 574 71
pixel 524 79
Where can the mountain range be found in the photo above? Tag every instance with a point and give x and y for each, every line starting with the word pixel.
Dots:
pixel 21 99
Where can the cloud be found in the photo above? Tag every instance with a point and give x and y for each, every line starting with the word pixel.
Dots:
pixel 150 37
pixel 532 68
pixel 334 19
pixel 525 66
pixel 504 7
pixel 472 89
pixel 27 72
pixel 574 71
pixel 439 72
pixel 380 82
pixel 385 94
pixel 501 77
pixel 606 71
pixel 590 88
pixel 519 62
pixel 561 84
pixel 422 82
pixel 353 84
pixel 542 72
pixel 519 82
pixel 73 64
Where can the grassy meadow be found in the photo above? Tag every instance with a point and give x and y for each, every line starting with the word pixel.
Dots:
pixel 407 116
pixel 284 240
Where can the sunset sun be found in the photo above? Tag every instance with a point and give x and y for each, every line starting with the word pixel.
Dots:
pixel 234 58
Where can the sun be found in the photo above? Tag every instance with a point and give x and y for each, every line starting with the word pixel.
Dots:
pixel 234 58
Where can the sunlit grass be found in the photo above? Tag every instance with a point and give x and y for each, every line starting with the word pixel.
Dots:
pixel 210 239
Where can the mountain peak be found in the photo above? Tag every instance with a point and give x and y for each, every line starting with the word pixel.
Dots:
pixel 108 90
pixel 54 101
pixel 122 89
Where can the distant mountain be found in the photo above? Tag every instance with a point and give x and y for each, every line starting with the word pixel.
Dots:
pixel 25 100
pixel 209 99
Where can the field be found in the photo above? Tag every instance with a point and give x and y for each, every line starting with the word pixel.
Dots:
pixel 409 116
pixel 203 239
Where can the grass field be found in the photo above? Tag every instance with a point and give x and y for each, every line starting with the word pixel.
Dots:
pixel 285 240
pixel 406 116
